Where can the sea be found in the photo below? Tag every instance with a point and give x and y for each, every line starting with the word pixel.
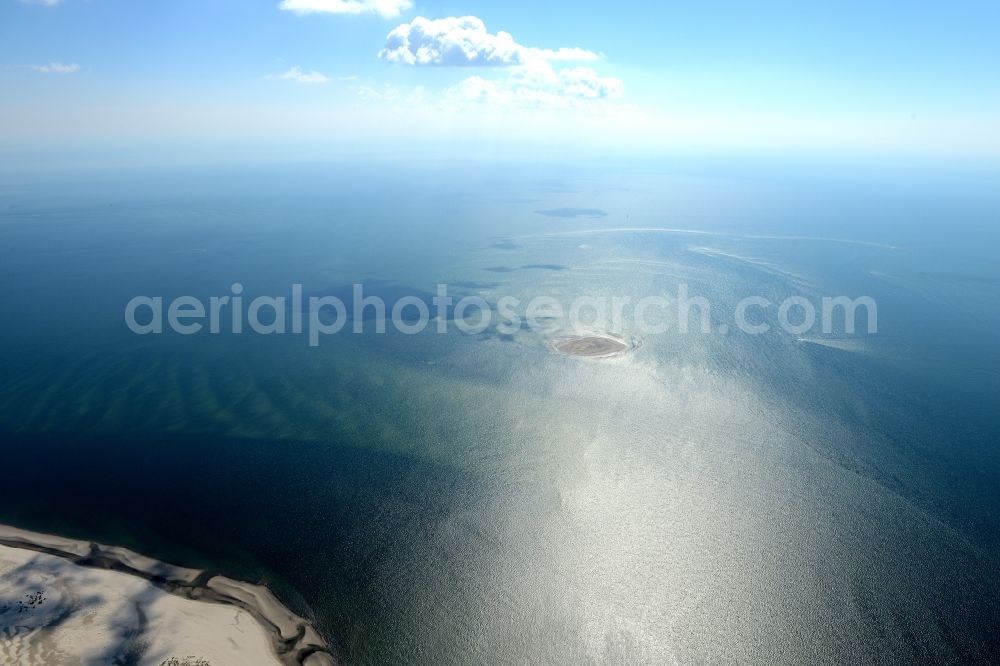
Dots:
pixel 451 496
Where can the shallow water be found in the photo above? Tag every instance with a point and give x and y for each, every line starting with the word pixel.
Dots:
pixel 476 498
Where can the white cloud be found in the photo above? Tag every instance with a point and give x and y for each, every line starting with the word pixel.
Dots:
pixel 585 83
pixel 540 86
pixel 57 68
pixel 44 3
pixel 299 76
pixel 454 41
pixel 384 8
pixel 464 41
pixel 530 81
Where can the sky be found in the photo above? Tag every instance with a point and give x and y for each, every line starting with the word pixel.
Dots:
pixel 303 76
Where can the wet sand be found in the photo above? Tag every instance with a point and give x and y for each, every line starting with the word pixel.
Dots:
pixel 589 346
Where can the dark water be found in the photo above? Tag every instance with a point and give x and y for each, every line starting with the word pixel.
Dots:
pixel 475 498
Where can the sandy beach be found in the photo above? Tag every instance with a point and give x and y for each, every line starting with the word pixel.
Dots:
pixel 69 602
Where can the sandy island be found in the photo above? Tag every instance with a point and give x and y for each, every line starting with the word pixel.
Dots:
pixel 590 346
pixel 69 602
